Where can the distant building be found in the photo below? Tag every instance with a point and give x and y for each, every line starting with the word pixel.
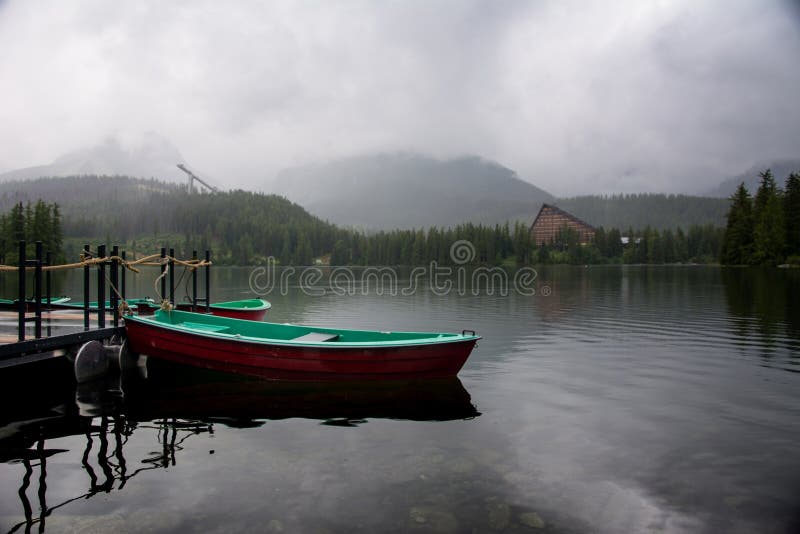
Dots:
pixel 551 220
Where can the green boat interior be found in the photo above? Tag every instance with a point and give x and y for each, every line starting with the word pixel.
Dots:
pixel 212 324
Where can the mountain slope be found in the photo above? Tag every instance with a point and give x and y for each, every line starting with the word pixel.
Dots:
pixel 238 225
pixel 148 156
pixel 407 190
pixel 656 210
pixel 780 170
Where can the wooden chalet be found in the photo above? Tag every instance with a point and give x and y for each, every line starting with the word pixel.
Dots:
pixel 551 220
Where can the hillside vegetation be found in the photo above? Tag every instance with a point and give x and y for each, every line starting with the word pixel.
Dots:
pixel 658 211
pixel 242 227
pixel 237 225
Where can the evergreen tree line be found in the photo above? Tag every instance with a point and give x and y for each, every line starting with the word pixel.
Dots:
pixel 243 228
pixel 658 210
pixel 513 244
pixel 31 223
pixel 765 229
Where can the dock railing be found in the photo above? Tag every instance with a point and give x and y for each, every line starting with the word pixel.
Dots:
pixel 110 272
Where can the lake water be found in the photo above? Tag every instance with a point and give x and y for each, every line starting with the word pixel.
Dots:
pixel 614 399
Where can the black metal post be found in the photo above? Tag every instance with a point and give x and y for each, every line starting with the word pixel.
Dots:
pixel 114 284
pixel 122 275
pixel 86 280
pixel 21 297
pixel 194 283
pixel 37 292
pixel 101 288
pixel 47 280
pixel 163 278
pixel 172 275
pixel 208 281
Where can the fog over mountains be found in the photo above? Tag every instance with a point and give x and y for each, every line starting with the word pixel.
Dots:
pixel 148 155
pixel 406 190
pixel 410 190
pixel 780 171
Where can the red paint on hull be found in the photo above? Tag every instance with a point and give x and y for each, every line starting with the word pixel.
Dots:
pixel 300 363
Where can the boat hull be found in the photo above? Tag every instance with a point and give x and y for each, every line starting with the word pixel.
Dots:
pixel 299 362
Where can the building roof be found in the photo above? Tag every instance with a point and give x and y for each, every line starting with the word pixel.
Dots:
pixel 561 212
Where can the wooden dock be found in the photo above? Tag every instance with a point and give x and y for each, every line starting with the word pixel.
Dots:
pixel 31 332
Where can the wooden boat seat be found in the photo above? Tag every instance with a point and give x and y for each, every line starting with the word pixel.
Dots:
pixel 317 336
pixel 205 327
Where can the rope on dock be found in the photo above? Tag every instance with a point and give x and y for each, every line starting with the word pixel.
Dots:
pixel 89 260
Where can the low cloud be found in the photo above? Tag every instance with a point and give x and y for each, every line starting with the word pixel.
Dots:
pixel 577 97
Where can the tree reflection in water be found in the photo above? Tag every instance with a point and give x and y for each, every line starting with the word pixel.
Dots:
pixel 170 434
pixel 176 403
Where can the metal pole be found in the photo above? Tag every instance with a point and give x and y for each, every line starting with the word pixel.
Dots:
pixel 172 276
pixel 114 284
pixel 208 281
pixel 101 288
pixel 86 280
pixel 163 278
pixel 47 280
pixel 194 283
pixel 122 289
pixel 21 297
pixel 37 288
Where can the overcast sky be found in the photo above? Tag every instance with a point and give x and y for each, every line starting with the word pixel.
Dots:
pixel 577 97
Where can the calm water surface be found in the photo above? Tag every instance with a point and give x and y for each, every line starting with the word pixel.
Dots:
pixel 628 400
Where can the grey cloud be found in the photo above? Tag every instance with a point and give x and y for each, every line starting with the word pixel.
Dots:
pixel 577 97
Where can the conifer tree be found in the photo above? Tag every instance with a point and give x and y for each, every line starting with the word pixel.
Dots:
pixel 768 229
pixel 737 247
pixel 791 207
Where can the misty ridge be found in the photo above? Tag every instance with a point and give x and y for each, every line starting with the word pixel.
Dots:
pixel 381 191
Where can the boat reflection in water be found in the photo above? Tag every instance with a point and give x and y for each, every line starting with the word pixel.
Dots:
pixel 172 403
pixel 185 391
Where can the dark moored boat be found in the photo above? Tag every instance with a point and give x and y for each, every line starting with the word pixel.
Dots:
pixel 7 304
pixel 249 309
pixel 94 305
pixel 283 351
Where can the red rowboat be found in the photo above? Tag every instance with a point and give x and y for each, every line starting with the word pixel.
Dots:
pixel 283 351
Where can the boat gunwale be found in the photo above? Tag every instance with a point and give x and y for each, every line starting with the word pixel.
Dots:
pixel 332 345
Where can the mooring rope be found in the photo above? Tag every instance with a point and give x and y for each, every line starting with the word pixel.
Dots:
pixel 123 308
pixel 165 304
pixel 87 260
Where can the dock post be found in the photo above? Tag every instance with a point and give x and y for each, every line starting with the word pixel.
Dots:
pixel 163 278
pixel 86 280
pixel 21 296
pixel 47 280
pixel 122 275
pixel 194 283
pixel 172 276
pixel 37 292
pixel 114 284
pixel 208 281
pixel 101 288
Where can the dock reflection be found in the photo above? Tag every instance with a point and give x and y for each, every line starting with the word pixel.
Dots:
pixel 172 404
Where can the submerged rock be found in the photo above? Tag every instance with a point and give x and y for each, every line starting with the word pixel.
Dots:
pixel 433 519
pixel 531 519
pixel 499 513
